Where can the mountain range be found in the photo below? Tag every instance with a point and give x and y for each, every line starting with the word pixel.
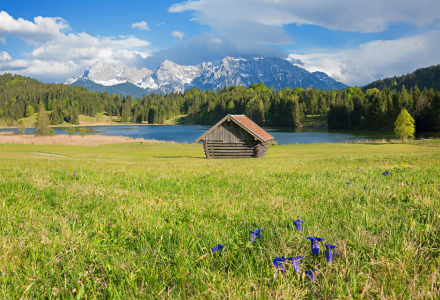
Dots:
pixel 169 76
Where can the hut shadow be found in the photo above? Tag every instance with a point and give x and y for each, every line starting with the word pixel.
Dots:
pixel 199 157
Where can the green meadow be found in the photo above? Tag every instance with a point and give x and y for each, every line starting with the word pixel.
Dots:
pixel 139 222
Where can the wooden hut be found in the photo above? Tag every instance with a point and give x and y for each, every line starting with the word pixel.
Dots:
pixel 235 136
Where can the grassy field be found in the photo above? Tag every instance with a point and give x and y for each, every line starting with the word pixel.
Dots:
pixel 139 221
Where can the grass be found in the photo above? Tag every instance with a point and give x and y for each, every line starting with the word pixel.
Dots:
pixel 138 221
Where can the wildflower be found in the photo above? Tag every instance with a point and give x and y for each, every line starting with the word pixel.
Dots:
pixel 74 174
pixel 412 182
pixel 218 249
pixel 255 234
pixel 297 224
pixel 310 274
pixel 365 188
pixel 348 184
pixel 296 262
pixel 357 169
pixel 315 245
pixel 278 262
pixel 329 252
pixel 374 187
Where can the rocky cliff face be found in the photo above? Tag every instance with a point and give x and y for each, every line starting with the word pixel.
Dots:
pixel 170 76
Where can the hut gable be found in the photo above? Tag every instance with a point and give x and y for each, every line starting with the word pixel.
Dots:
pixel 235 136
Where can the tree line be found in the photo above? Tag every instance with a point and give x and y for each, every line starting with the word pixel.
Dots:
pixel 350 108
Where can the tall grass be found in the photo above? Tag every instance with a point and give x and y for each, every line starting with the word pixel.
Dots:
pixel 139 222
pixel 74 140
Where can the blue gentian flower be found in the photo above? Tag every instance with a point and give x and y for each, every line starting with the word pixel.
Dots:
pixel 383 174
pixel 329 252
pixel 412 182
pixel 297 224
pixel 296 262
pixel 365 188
pixel 218 249
pixel 348 184
pixel 358 169
pixel 310 274
pixel 279 262
pixel 256 233
pixel 315 245
pixel 374 187
pixel 387 173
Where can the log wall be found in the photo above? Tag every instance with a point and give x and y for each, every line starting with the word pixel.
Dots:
pixel 220 149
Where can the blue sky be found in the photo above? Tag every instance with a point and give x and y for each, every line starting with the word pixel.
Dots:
pixel 355 42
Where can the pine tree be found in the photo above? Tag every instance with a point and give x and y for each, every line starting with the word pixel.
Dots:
pixel 404 127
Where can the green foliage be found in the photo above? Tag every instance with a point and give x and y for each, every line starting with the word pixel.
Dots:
pixel 42 123
pixel 70 130
pixel 82 131
pixel 404 126
pixel 29 111
pixel 139 222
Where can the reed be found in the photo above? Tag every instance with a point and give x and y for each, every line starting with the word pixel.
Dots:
pixel 75 140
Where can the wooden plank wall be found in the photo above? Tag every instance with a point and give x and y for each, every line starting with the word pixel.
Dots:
pixel 217 149
pixel 229 132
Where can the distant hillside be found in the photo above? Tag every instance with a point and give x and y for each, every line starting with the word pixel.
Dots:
pixel 122 89
pixel 424 78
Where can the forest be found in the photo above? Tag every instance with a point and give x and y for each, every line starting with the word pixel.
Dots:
pixel 351 108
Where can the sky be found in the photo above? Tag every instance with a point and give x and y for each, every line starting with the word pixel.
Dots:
pixel 354 42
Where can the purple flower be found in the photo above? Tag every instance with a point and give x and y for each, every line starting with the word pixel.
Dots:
pixel 296 262
pixel 329 252
pixel 218 249
pixel 256 233
pixel 279 262
pixel 412 182
pixel 365 188
pixel 387 173
pixel 297 224
pixel 357 169
pixel 374 187
pixel 348 184
pixel 74 174
pixel 315 245
pixel 310 274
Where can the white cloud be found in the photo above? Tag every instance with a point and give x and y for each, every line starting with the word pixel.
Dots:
pixel 4 56
pixel 376 59
pixel 58 55
pixel 159 24
pixel 178 34
pixel 217 41
pixel 39 31
pixel 346 15
pixel 141 25
pixel 2 40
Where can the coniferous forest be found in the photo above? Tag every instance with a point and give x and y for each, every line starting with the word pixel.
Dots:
pixel 374 108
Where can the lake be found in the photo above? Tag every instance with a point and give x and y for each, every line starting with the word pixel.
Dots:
pixel 189 133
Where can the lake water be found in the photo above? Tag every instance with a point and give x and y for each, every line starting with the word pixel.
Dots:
pixel 283 136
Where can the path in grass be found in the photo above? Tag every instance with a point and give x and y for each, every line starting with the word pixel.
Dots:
pixel 139 221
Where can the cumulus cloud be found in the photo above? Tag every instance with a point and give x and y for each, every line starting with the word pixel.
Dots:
pixel 4 56
pixel 376 59
pixel 141 26
pixel 39 31
pixel 58 55
pixel 346 15
pixel 178 34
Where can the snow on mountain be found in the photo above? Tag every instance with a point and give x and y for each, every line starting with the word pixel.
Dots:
pixel 170 76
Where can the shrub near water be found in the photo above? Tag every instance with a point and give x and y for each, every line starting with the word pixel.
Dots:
pixel 139 221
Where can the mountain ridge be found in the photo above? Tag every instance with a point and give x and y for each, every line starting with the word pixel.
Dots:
pixel 170 76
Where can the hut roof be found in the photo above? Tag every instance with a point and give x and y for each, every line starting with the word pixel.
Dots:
pixel 245 123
